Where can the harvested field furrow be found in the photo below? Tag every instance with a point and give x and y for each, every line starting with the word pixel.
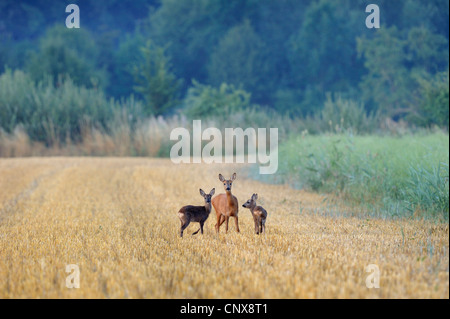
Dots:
pixel 116 219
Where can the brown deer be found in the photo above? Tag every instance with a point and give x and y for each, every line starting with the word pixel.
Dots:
pixel 226 205
pixel 259 214
pixel 197 214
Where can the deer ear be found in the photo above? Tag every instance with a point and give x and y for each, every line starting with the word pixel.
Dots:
pixel 212 191
pixel 221 178
pixel 255 196
pixel 233 177
pixel 202 192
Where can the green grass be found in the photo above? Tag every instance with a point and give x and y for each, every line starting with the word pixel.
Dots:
pixel 388 176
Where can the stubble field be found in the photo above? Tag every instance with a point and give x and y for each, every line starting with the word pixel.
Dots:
pixel 116 219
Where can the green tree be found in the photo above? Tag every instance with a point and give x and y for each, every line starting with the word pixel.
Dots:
pixel 432 15
pixel 127 55
pixel 239 60
pixel 192 28
pixel 426 51
pixel 432 101
pixel 67 53
pixel 322 52
pixel 155 82
pixel 396 63
pixel 387 83
pixel 207 101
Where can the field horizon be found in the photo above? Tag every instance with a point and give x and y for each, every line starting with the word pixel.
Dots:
pixel 116 219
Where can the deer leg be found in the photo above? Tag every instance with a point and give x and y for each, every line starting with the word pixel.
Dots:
pixel 183 227
pixel 226 224
pixel 219 217
pixel 222 219
pixel 237 223
pixel 196 232
pixel 255 219
pixel 201 227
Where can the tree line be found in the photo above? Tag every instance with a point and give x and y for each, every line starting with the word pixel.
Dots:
pixel 206 56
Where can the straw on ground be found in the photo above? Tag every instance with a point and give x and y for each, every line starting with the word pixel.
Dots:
pixel 116 218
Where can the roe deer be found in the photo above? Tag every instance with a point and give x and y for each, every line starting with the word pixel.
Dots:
pixel 259 214
pixel 226 205
pixel 197 214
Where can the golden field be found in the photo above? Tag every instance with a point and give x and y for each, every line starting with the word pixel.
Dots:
pixel 116 218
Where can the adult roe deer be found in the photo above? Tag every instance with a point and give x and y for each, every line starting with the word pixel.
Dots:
pixel 259 214
pixel 226 205
pixel 197 214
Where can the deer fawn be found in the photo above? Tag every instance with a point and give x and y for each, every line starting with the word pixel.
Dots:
pixel 259 214
pixel 197 214
pixel 226 205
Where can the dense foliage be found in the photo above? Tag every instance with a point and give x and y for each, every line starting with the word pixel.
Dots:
pixel 370 171
pixel 198 57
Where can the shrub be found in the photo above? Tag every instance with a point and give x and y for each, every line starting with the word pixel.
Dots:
pixel 340 114
pixel 371 171
pixel 64 53
pixel 155 82
pixel 48 113
pixel 433 102
pixel 427 189
pixel 207 101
